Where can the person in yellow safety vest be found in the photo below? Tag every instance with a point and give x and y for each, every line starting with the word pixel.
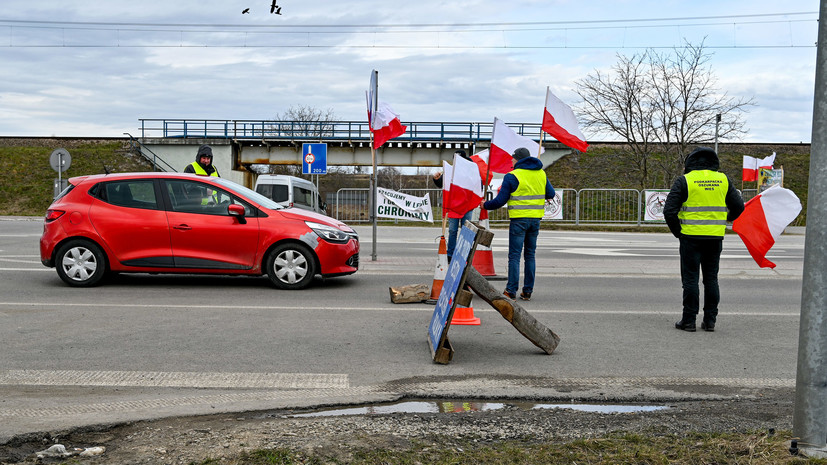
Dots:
pixel 697 210
pixel 526 190
pixel 203 163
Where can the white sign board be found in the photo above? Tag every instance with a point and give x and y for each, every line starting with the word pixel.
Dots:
pixel 392 204
pixel 653 206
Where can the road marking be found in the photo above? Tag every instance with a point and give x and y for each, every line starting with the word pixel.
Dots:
pixel 174 379
pixel 397 308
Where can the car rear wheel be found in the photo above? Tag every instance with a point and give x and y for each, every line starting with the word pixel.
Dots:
pixel 291 266
pixel 80 263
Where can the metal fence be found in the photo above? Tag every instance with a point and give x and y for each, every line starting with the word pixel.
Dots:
pixel 584 206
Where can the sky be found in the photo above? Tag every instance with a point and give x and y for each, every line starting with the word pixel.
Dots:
pixel 95 69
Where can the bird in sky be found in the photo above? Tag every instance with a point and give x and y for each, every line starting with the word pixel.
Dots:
pixel 246 10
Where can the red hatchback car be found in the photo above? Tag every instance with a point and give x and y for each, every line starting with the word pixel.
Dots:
pixel 184 223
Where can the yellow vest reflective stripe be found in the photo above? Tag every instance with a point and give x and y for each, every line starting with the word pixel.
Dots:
pixel 704 212
pixel 528 201
pixel 200 171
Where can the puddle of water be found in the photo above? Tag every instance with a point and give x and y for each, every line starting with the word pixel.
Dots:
pixel 458 407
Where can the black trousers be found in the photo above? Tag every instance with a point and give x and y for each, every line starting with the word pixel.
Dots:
pixel 700 255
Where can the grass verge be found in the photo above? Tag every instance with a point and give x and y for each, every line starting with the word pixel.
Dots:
pixel 757 448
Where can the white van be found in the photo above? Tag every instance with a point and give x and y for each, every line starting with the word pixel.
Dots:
pixel 291 191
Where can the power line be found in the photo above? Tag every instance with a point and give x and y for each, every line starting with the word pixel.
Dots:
pixel 417 25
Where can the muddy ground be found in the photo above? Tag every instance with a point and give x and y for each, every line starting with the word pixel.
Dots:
pixel 193 439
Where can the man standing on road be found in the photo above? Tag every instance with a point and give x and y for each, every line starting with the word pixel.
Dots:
pixel 203 163
pixel 696 210
pixel 525 189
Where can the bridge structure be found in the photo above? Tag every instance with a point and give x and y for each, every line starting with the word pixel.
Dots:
pixel 238 144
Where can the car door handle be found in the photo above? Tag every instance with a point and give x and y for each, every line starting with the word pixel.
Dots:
pixel 182 227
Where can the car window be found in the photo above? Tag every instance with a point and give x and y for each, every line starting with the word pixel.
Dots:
pixel 302 196
pixel 196 197
pixel 132 193
pixel 277 192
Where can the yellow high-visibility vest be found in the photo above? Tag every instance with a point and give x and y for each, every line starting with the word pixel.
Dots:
pixel 704 212
pixel 201 172
pixel 528 201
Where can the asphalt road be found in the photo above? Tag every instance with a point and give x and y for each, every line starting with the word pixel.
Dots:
pixel 147 346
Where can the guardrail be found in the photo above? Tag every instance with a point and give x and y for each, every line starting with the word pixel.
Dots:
pixel 315 130
pixel 584 206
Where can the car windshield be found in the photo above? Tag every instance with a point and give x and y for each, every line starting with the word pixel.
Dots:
pixel 249 193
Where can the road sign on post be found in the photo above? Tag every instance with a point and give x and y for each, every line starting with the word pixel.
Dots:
pixel 314 158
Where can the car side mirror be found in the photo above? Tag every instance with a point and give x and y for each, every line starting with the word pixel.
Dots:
pixel 237 211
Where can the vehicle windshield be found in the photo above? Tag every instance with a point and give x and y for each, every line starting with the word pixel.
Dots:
pixel 249 193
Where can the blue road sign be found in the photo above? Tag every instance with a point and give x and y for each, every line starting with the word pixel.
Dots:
pixel 456 270
pixel 314 158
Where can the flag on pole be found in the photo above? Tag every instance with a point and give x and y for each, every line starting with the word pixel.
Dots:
pixel 461 185
pixel 764 218
pixel 481 159
pixel 560 123
pixel 504 141
pixel 385 124
pixel 752 165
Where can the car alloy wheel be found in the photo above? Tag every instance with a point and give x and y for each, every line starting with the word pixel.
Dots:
pixel 291 266
pixel 80 263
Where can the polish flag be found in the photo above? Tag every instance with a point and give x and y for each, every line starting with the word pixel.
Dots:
pixel 481 159
pixel 752 165
pixel 560 123
pixel 764 218
pixel 504 141
pixel 385 125
pixel 462 186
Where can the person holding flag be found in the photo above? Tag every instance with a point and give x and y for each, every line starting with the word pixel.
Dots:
pixel 696 210
pixel 525 189
pixel 458 205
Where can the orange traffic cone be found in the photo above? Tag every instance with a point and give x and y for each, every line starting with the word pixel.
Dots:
pixel 464 316
pixel 484 257
pixel 441 269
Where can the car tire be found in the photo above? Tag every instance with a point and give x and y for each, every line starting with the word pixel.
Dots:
pixel 80 263
pixel 291 266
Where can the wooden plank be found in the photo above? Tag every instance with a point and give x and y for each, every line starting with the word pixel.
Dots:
pixel 524 322
pixel 411 293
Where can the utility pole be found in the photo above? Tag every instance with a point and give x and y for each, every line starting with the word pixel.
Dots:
pixel 717 123
pixel 810 414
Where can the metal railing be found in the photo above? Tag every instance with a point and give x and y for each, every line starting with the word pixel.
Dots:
pixel 584 206
pixel 316 130
pixel 158 163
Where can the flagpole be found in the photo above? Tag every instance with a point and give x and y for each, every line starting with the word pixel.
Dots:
pixel 373 104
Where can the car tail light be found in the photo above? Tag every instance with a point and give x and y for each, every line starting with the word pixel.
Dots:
pixel 52 215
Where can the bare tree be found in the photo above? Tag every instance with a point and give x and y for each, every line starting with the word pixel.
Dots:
pixel 660 104
pixel 305 121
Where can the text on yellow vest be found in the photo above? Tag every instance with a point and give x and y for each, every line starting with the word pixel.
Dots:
pixel 704 212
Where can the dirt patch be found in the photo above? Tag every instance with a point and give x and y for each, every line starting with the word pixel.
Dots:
pixel 185 440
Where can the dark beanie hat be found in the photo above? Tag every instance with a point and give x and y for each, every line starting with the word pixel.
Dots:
pixel 461 153
pixel 204 150
pixel 521 153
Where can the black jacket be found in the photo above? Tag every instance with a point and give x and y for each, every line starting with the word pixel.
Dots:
pixel 700 159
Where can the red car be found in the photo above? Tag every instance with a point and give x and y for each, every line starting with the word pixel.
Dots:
pixel 184 223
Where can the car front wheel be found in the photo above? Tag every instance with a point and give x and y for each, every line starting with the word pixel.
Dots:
pixel 291 266
pixel 80 263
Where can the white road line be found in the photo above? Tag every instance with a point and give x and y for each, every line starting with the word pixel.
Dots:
pixel 397 308
pixel 173 379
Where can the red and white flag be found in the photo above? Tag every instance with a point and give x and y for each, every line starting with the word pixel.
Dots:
pixel 481 159
pixel 385 125
pixel 752 165
pixel 764 218
pixel 504 141
pixel 461 185
pixel 560 123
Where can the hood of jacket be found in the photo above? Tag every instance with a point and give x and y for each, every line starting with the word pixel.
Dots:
pixel 702 158
pixel 529 163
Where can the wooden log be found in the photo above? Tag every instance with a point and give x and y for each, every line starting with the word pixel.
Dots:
pixel 411 293
pixel 524 322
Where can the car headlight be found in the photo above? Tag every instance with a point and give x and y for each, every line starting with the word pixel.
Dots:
pixel 329 233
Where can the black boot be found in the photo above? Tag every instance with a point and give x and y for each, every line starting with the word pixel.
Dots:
pixel 687 323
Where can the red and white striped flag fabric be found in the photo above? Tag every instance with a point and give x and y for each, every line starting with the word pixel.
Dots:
pixel 385 125
pixel 504 141
pixel 764 218
pixel 560 123
pixel 464 186
pixel 752 165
